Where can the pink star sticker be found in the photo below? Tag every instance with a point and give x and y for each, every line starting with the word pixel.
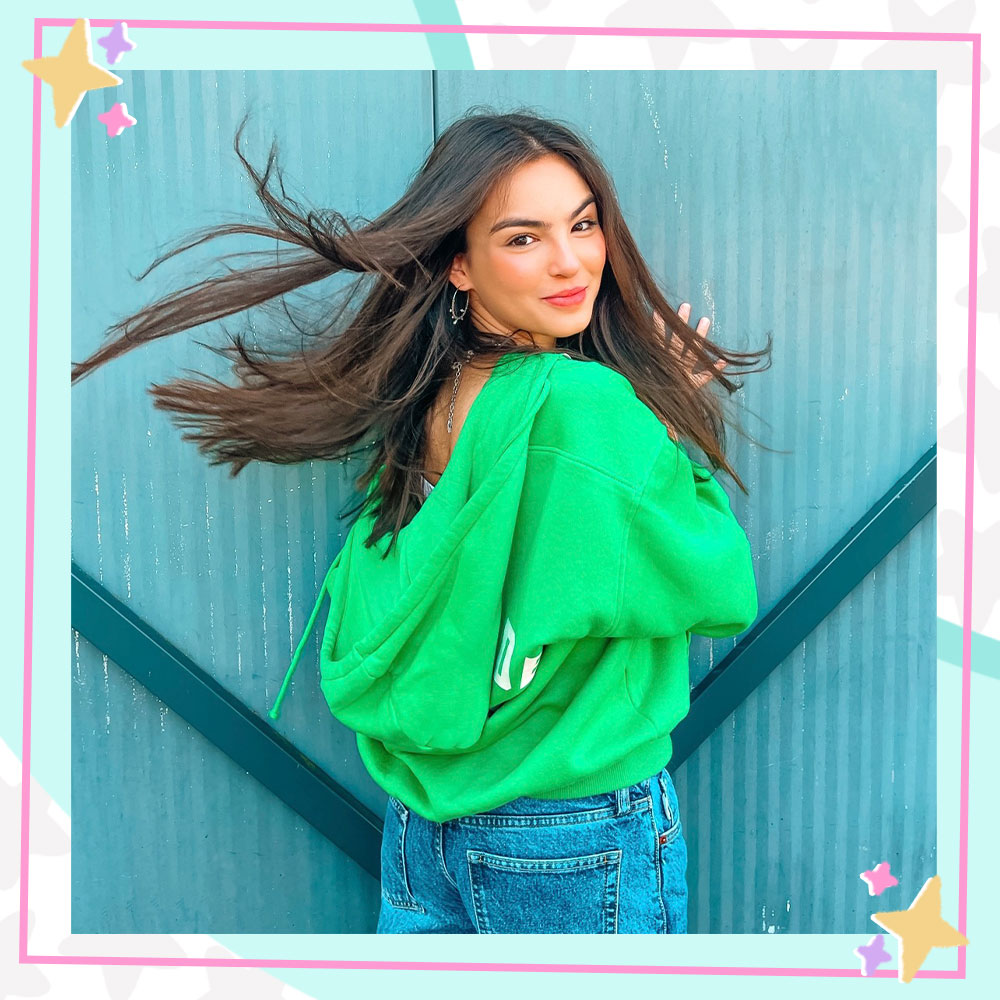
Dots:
pixel 117 119
pixel 879 879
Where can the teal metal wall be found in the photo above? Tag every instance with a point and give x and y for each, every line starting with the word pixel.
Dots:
pixel 801 203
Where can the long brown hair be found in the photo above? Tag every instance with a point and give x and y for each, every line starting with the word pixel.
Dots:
pixel 365 381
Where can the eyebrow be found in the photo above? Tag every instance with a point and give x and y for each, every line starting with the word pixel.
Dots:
pixel 537 223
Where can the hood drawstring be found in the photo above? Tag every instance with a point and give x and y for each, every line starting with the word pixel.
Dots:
pixel 274 712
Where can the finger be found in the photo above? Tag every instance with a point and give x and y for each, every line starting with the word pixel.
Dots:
pixel 702 375
pixel 703 324
pixel 684 311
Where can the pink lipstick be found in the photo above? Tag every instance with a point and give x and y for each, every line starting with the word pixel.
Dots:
pixel 571 297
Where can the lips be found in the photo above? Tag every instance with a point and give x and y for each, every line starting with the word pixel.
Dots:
pixel 570 293
pixel 570 297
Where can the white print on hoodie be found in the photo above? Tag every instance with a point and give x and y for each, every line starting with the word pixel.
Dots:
pixel 502 672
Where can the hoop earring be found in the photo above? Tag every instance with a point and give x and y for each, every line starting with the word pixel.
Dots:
pixel 454 318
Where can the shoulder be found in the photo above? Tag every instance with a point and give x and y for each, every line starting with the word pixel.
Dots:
pixel 592 413
pixel 571 376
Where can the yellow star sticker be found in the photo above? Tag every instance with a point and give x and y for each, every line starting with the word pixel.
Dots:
pixel 919 928
pixel 71 73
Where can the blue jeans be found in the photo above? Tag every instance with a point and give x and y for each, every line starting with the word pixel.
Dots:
pixel 612 863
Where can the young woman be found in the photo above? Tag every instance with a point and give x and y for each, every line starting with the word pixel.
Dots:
pixel 511 612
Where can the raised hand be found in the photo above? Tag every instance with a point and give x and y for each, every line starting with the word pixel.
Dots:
pixel 698 378
pixel 684 311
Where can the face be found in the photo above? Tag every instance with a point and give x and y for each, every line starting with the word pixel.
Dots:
pixel 542 239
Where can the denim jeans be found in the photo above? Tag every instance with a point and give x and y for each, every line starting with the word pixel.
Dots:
pixel 612 863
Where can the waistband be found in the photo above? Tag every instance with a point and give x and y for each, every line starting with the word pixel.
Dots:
pixel 621 799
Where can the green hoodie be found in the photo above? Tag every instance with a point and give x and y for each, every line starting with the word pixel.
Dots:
pixel 529 632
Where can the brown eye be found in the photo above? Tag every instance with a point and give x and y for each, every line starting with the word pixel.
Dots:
pixel 511 242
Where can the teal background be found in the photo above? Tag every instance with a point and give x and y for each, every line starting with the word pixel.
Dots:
pixel 50 743
pixel 829 245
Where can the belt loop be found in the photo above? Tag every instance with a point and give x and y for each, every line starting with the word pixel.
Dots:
pixel 623 801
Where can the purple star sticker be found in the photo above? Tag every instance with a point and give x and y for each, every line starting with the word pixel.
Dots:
pixel 116 43
pixel 879 879
pixel 872 955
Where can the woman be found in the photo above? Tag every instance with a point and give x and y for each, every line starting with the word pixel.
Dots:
pixel 511 612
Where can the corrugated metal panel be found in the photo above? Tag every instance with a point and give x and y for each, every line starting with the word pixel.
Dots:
pixel 804 204
pixel 828 768
pixel 832 248
pixel 228 569
pixel 170 836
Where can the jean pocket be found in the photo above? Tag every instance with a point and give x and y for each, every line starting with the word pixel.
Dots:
pixel 577 895
pixel 395 883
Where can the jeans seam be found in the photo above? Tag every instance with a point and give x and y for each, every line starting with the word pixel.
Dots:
pixel 408 901
pixel 657 864
pixel 533 820
pixel 481 928
pixel 440 850
pixel 617 892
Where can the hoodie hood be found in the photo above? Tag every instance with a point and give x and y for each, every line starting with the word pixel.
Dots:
pixel 419 628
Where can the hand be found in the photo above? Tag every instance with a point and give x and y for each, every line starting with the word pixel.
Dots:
pixel 699 379
pixel 684 311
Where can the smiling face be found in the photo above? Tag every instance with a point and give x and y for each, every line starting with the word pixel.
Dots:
pixel 543 238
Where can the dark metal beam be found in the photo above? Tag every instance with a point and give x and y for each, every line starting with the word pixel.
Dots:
pixel 221 718
pixel 299 782
pixel 814 597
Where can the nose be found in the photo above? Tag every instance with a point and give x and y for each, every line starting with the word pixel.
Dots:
pixel 564 259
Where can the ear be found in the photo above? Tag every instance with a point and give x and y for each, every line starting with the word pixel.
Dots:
pixel 458 274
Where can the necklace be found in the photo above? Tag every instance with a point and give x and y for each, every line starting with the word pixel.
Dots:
pixel 457 365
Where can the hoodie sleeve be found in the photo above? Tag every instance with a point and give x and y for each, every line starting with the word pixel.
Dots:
pixel 685 563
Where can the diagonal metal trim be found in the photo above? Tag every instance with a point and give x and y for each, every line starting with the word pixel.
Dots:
pixel 299 782
pixel 201 701
pixel 814 597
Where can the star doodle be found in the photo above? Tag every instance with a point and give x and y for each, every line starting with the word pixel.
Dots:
pixel 879 879
pixel 920 928
pixel 71 73
pixel 116 43
pixel 872 955
pixel 117 118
